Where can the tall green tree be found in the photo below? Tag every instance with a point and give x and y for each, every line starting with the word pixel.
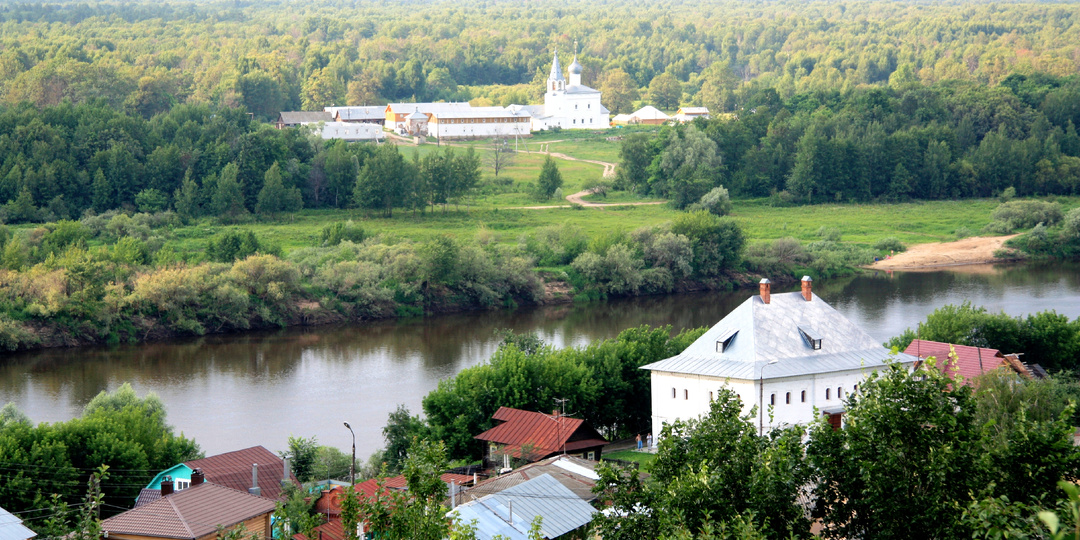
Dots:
pixel 550 179
pixel 228 198
pixel 384 181
pixel 274 197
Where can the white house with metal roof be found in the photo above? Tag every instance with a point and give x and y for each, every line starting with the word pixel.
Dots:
pixel 568 105
pixel 791 353
pixel 480 123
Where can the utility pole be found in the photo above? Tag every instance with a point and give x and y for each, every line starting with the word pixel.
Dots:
pixel 352 464
pixel 562 412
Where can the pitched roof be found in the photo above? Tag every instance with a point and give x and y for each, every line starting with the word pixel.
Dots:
pixel 190 513
pixel 304 117
pixel 11 527
pixel 147 496
pixel 329 504
pixel 757 334
pixel 331 530
pixel 560 510
pixel 406 108
pixel 233 469
pixel 970 362
pixel 576 474
pixel 693 110
pixel 484 112
pixel 545 434
pixel 649 112
pixel 344 114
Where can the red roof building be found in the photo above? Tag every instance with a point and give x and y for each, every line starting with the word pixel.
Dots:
pixel 534 436
pixel 969 362
pixel 329 504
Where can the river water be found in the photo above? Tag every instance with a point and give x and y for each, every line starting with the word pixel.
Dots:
pixel 234 391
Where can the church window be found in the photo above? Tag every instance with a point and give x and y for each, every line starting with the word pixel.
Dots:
pixel 828 393
pixel 673 393
pixel 772 399
pixel 787 399
pixel 686 394
pixel 804 396
pixel 575 106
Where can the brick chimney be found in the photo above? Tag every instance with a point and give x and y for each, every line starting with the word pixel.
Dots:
pixel 197 477
pixel 555 413
pixel 765 288
pixel 166 486
pixel 806 288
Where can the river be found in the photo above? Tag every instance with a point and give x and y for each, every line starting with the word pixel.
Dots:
pixel 239 390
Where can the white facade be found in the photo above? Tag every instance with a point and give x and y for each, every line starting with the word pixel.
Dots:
pixel 480 122
pixel 396 113
pixel 569 106
pixel 350 131
pixel 791 355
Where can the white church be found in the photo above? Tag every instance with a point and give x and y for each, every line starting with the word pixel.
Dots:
pixel 567 105
pixel 791 355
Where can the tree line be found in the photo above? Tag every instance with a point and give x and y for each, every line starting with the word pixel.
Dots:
pixel 943 141
pixel 58 162
pixel 145 58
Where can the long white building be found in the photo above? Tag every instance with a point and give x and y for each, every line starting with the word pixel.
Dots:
pixel 479 123
pixel 791 352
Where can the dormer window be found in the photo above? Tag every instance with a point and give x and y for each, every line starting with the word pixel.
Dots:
pixel 812 338
pixel 725 340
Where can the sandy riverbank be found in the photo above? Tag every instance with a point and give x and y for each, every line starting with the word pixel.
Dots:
pixel 974 250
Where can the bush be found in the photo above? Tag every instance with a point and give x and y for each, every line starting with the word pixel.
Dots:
pixel 335 233
pixel 1071 225
pixel 963 232
pixel 1007 195
pixel 716 202
pixel 830 234
pixel 1014 215
pixel 151 200
pixel 236 245
pixel 891 243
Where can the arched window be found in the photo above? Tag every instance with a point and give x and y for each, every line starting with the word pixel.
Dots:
pixel 839 392
pixel 772 399
pixel 828 393
pixel 686 394
pixel 804 396
pixel 787 399
pixel 672 393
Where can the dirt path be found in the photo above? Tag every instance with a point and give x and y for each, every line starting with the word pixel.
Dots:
pixel 576 198
pixel 974 250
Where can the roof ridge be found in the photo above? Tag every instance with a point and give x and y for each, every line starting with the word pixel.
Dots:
pixel 180 517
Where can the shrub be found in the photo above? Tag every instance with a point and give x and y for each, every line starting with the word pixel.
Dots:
pixel 235 245
pixel 830 234
pixel 1007 195
pixel 14 335
pixel 1014 215
pixel 151 200
pixel 335 233
pixel 890 243
pixel 1071 225
pixel 716 202
pixel 963 232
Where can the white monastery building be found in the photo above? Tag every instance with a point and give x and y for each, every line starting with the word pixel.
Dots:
pixel 791 352
pixel 568 106
pixel 479 123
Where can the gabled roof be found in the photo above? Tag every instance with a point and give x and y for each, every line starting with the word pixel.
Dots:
pixel 304 117
pixel 329 504
pixel 576 474
pixel 692 110
pixel 233 469
pixel 344 114
pixel 544 434
pixel 777 335
pixel 147 496
pixel 970 362
pixel 406 108
pixel 560 510
pixel 190 513
pixel 11 527
pixel 649 112
pixel 331 530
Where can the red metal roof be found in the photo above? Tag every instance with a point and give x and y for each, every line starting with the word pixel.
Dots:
pixel 331 530
pixel 970 362
pixel 233 469
pixel 546 434
pixel 329 504
pixel 189 513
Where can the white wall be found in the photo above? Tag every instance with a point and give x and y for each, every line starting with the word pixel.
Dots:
pixel 507 129
pixel 692 396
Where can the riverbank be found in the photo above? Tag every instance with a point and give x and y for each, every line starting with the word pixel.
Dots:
pixel 973 250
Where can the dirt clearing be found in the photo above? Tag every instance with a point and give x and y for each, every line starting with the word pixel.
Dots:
pixel 974 250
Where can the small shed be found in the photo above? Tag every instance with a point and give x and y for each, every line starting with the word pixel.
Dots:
pixel 649 115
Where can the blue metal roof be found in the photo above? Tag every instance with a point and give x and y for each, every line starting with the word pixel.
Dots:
pixel 11 527
pixel 559 509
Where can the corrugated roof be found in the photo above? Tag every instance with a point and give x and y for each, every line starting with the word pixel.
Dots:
pixel 768 335
pixel 190 513
pixel 376 112
pixel 574 473
pixel 970 361
pixel 11 527
pixel 693 110
pixel 560 510
pixel 484 112
pixel 546 434
pixel 580 89
pixel 305 117
pixel 406 108
pixel 233 469
pixel 147 496
pixel 331 530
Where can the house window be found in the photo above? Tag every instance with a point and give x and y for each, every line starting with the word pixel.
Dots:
pixel 828 394
pixel 181 484
pixel 592 456
pixel 575 106
pixel 787 399
pixel 575 120
pixel 686 394
pixel 804 396
pixel 772 399
pixel 672 393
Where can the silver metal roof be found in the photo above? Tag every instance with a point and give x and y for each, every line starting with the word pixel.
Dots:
pixel 768 335
pixel 559 509
pixel 556 70
pixel 11 527
pixel 580 89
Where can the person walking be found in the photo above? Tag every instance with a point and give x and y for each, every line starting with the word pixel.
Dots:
pixel 650 441
pixel 638 439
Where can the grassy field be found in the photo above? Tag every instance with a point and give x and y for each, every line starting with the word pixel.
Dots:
pixel 643 459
